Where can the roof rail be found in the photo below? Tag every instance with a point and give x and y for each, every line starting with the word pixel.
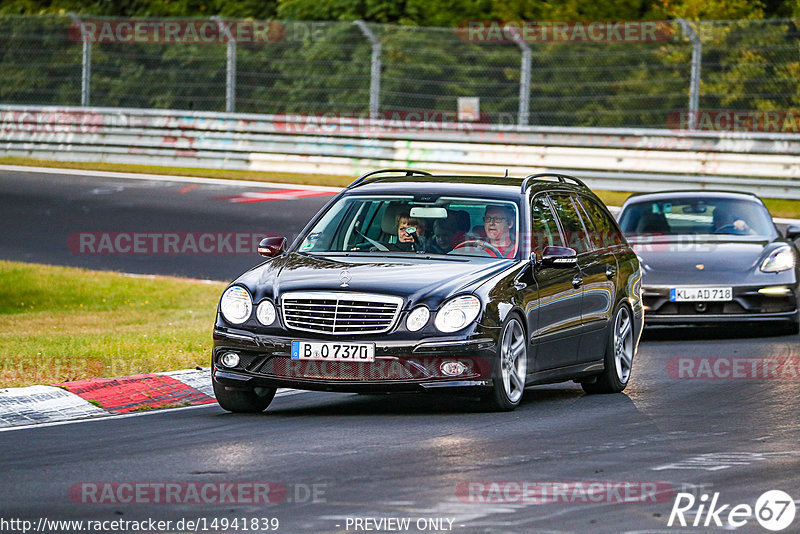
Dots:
pixel 408 172
pixel 561 178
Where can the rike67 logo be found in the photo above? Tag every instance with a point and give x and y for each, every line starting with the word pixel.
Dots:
pixel 774 510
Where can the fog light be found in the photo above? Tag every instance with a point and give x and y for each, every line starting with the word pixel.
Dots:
pixel 229 359
pixel 451 368
pixel 775 291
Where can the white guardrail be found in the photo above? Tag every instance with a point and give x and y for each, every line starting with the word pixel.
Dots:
pixel 618 159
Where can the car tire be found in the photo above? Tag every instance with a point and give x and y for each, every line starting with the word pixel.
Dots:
pixel 243 400
pixel 509 368
pixel 619 355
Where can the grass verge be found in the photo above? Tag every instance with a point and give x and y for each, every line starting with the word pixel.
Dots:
pixel 61 324
pixel 778 207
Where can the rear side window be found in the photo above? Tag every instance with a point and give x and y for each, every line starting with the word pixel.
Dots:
pixel 574 232
pixel 605 233
pixel 544 227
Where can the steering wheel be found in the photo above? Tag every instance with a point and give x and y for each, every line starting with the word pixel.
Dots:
pixel 726 229
pixel 479 244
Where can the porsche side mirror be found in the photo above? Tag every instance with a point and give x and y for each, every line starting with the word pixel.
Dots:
pixel 559 257
pixel 793 231
pixel 269 247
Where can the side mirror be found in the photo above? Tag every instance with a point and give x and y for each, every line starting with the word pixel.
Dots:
pixel 559 257
pixel 793 231
pixel 269 247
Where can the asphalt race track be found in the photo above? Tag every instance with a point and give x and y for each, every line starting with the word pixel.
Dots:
pixel 41 212
pixel 395 456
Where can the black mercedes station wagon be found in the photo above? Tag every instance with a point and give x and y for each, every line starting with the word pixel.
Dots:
pixel 407 281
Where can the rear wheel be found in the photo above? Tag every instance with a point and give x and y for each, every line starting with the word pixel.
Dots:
pixel 243 401
pixel 510 368
pixel 618 358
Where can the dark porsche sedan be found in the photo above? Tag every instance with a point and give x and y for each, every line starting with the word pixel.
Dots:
pixel 712 258
pixel 411 282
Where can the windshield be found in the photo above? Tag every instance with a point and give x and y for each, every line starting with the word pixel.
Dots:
pixel 682 216
pixel 399 224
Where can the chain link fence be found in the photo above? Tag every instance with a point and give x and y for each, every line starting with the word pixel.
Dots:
pixel 343 68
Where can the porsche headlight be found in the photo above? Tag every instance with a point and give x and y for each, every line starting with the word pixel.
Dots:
pixel 781 259
pixel 417 318
pixel 457 313
pixel 236 305
pixel 265 312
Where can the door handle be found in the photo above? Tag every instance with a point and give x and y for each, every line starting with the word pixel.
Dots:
pixel 610 272
pixel 577 282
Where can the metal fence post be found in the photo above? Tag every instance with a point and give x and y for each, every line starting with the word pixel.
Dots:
pixel 230 70
pixel 694 82
pixel 86 64
pixel 375 70
pixel 523 117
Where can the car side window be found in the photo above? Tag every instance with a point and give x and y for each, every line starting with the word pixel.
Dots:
pixel 607 232
pixel 574 231
pixel 544 227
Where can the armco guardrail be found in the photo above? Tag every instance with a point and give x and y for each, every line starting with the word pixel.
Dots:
pixel 615 159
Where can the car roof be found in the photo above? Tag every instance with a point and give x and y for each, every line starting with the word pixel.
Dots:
pixel 478 186
pixel 692 194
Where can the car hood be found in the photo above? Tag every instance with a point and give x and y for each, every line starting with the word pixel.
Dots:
pixel 417 280
pixel 699 259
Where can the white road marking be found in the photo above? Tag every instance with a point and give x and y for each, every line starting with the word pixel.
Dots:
pixel 166 178
pixel 42 404
pixel 717 461
pixel 219 181
pixel 105 416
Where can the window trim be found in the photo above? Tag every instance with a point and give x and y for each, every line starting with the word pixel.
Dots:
pixel 571 196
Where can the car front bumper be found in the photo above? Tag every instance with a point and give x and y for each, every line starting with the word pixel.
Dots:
pixel 747 305
pixel 265 361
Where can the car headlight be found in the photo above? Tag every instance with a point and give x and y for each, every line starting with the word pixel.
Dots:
pixel 417 318
pixel 236 305
pixel 457 313
pixel 265 312
pixel 781 259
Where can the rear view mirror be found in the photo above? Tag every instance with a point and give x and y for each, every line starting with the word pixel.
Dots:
pixel 559 257
pixel 428 212
pixel 793 231
pixel 270 247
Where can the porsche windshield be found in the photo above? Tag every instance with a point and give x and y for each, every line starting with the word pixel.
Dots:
pixel 399 224
pixel 682 216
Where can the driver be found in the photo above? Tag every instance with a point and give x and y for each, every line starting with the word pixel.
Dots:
pixel 733 224
pixel 497 223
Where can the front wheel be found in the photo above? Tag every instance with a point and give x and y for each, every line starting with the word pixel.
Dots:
pixel 618 358
pixel 243 401
pixel 509 369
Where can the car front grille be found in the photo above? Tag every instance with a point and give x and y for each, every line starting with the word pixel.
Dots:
pixel 379 370
pixel 340 313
